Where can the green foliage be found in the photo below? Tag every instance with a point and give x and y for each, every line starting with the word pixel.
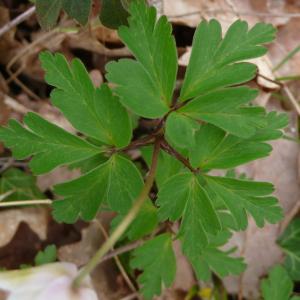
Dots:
pixel 214 149
pixel 167 165
pixel 278 286
pixel 157 259
pixel 289 242
pixel 47 256
pixel 50 145
pixel 155 69
pixel 19 185
pixel 215 63
pixel 48 11
pixel 95 112
pixel 214 260
pixel 242 196
pixel 212 125
pixel 114 13
pixel 183 197
pixel 116 182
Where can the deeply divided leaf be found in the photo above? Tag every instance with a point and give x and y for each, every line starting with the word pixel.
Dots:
pixel 289 242
pixel 183 197
pixel 116 182
pixel 18 185
pixel 95 112
pixel 146 85
pixel 278 286
pixel 240 197
pixel 214 61
pixel 50 145
pixel 157 261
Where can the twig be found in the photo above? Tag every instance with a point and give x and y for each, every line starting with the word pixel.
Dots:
pixel 170 150
pixel 5 195
pixel 14 104
pixel 19 19
pixel 122 250
pixel 117 260
pixel 26 202
pixel 242 13
pixel 271 80
pixel 147 140
pixel 6 165
pixel 126 221
pixel 292 99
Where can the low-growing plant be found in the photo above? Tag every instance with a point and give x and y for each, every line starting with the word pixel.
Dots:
pixel 210 124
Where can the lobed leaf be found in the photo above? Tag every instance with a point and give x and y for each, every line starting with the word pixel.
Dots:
pixel 113 13
pixel 21 185
pixel 49 255
pixel 214 61
pixel 183 197
pixel 144 224
pixel 167 165
pixel 116 182
pixel 289 242
pixel 78 9
pixel 214 148
pixel 50 145
pixel 278 286
pixel 222 108
pixel 155 70
pixel 95 112
pixel 241 196
pixel 157 260
pixel 48 12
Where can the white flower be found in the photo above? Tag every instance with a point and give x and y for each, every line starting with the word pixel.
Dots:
pixel 47 282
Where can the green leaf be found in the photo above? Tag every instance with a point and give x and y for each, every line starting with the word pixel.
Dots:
pixel 47 256
pixel 222 108
pixel 113 13
pixel 78 9
pixel 50 145
pixel 157 260
pixel 48 12
pixel 278 286
pixel 214 61
pixel 144 224
pixel 272 131
pixel 95 112
pixel 117 182
pixel 213 260
pixel 217 261
pixel 22 185
pixel 214 149
pixel 167 165
pixel 241 196
pixel 183 197
pixel 180 130
pixel 155 70
pixel 289 242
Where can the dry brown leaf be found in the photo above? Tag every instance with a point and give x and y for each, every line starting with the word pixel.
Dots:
pixel 35 217
pixel 105 276
pixel 56 176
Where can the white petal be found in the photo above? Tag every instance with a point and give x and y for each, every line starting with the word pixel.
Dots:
pixel 35 278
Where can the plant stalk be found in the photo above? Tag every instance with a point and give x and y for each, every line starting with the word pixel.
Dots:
pixel 122 227
pixel 26 202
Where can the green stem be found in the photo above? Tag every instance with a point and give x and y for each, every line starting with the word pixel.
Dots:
pixel 25 202
pixel 122 227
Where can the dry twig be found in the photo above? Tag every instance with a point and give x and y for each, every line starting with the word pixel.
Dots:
pixel 19 19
